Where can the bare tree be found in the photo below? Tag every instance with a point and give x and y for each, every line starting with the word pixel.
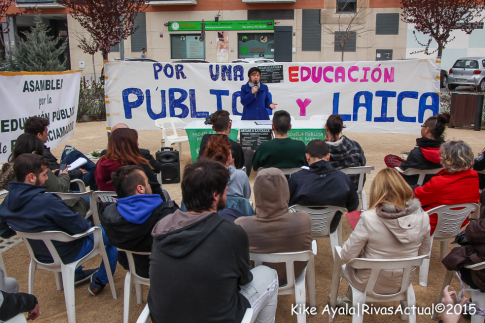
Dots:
pixel 89 46
pixel 351 25
pixel 438 18
pixel 108 21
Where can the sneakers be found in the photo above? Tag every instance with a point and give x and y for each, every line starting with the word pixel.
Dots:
pixel 342 301
pixel 96 286
pixel 84 275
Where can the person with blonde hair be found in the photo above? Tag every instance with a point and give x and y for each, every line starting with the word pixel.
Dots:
pixel 395 226
pixel 456 183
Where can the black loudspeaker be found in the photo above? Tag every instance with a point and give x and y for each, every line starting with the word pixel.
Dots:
pixel 170 161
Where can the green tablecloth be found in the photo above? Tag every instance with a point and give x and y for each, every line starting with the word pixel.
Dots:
pixel 195 137
pixel 306 135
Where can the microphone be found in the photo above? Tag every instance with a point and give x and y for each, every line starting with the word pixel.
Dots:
pixel 256 93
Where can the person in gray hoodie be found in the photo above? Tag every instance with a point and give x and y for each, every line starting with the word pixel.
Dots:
pixel 395 226
pixel 199 266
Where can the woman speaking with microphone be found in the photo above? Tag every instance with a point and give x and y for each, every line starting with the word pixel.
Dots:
pixel 255 97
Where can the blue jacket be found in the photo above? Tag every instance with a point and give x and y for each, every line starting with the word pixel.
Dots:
pixel 28 208
pixel 255 108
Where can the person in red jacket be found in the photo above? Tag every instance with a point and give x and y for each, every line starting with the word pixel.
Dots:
pixel 457 183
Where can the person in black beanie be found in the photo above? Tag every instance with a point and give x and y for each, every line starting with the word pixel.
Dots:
pixel 255 97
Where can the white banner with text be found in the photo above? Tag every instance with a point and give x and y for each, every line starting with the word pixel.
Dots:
pixel 50 95
pixel 371 97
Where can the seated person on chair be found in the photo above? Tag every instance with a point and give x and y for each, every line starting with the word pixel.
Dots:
pixel 29 208
pixel 123 150
pixel 13 303
pixel 470 253
pixel 395 226
pixel 129 221
pixel 219 150
pixel 273 228
pixel 456 183
pixel 320 184
pixel 426 154
pixel 344 152
pixel 145 153
pixel 199 266
pixel 27 143
pixel 38 127
pixel 281 152
pixel 221 123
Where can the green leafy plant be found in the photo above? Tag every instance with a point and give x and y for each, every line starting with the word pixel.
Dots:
pixel 40 52
pixel 91 100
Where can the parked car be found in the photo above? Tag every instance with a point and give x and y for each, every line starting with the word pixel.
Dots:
pixel 467 71
pixel 137 59
pixel 191 61
pixel 444 79
pixel 254 60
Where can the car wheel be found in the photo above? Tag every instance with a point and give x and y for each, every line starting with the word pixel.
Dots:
pixel 444 81
pixel 451 87
pixel 481 86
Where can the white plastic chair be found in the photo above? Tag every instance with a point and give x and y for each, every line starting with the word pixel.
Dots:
pixel 286 171
pixel 100 196
pixel 447 228
pixel 477 297
pixel 67 196
pixel 294 285
pixel 360 170
pixel 145 315
pixel 421 172
pixel 175 138
pixel 132 278
pixel 322 217
pixel 19 318
pixel 80 183
pixel 405 294
pixel 67 270
pixel 3 194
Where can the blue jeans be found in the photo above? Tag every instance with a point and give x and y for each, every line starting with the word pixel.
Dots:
pixel 111 252
pixel 90 167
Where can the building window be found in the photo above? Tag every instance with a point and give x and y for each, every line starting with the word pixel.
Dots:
pixel 255 45
pixel 139 38
pixel 387 24
pixel 311 39
pixel 346 6
pixel 115 49
pixel 383 54
pixel 187 46
pixel 350 42
pixel 474 25
pixel 275 14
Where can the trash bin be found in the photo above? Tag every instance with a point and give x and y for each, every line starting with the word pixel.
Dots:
pixel 466 110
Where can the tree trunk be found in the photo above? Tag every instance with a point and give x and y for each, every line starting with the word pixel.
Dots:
pixel 342 59
pixel 105 56
pixel 440 51
pixel 94 68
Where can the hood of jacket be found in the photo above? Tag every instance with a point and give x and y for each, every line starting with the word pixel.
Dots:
pixel 404 223
pixel 342 148
pixel 232 173
pixel 180 233
pixel 430 149
pixel 19 194
pixel 108 165
pixel 138 208
pixel 321 167
pixel 424 142
pixel 271 193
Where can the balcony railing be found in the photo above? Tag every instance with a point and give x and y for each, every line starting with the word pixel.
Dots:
pixel 38 4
